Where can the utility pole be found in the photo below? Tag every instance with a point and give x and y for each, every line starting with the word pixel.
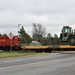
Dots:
pixel 18 29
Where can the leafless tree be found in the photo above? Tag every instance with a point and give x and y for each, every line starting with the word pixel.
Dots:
pixel 38 32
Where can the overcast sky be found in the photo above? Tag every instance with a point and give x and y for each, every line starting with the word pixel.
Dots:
pixel 52 14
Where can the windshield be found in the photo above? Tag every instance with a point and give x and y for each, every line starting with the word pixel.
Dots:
pixel 67 30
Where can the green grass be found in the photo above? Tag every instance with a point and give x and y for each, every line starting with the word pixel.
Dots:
pixel 13 54
pixel 17 54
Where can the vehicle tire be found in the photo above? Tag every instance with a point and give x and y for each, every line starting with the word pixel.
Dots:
pixel 71 40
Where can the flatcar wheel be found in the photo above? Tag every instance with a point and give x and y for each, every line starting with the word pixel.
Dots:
pixel 71 40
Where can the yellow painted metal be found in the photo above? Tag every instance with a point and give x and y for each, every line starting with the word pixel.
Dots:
pixel 66 47
pixel 34 47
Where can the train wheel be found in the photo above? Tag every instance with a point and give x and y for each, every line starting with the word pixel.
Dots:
pixel 71 40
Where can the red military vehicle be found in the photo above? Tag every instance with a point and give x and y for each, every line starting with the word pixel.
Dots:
pixel 6 43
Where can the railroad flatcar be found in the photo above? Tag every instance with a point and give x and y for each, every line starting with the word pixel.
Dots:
pixel 6 43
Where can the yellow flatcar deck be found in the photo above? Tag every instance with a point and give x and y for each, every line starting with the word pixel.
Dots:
pixel 49 48
pixel 34 47
pixel 66 47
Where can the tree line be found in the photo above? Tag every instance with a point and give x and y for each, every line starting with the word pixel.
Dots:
pixel 38 34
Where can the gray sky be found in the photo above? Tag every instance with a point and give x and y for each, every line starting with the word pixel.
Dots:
pixel 53 14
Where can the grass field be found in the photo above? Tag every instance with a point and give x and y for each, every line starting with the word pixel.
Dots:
pixel 14 54
pixel 17 54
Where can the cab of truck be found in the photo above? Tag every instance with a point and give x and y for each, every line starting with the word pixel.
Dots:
pixel 66 31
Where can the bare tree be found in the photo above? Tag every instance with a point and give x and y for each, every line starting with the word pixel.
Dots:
pixel 38 32
pixel 49 39
pixel 56 39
